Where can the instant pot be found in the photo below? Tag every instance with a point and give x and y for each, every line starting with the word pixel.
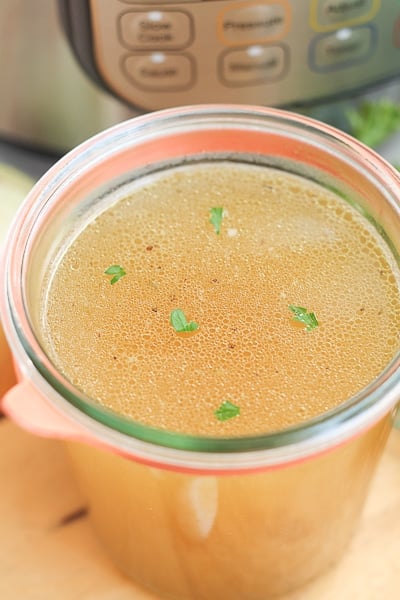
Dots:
pixel 73 67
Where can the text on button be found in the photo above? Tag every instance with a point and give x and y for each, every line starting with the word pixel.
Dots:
pixel 159 71
pixel 155 29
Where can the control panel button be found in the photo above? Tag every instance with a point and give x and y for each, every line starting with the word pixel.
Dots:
pixel 253 65
pixel 169 29
pixel 159 71
pixel 344 47
pixel 328 14
pixel 253 22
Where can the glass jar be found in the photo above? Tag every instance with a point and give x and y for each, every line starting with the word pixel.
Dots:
pixel 199 517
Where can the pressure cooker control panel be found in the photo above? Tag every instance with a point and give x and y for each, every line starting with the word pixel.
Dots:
pixel 272 52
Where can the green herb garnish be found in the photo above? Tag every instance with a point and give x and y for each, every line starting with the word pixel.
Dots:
pixel 373 122
pixel 302 315
pixel 226 411
pixel 179 322
pixel 116 271
pixel 216 216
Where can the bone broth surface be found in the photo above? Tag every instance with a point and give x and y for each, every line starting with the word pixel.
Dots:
pixel 278 242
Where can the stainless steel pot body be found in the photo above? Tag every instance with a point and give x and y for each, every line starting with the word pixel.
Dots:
pixel 46 100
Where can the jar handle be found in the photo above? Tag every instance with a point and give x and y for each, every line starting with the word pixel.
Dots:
pixel 24 405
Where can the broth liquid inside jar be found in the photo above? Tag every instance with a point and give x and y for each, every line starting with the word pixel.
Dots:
pixel 296 301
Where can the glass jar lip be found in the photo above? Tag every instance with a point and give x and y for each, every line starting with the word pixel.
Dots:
pixel 375 400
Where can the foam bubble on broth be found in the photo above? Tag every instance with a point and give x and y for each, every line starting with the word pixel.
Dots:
pixel 294 242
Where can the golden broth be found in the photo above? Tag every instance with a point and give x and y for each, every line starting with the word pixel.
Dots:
pixel 283 241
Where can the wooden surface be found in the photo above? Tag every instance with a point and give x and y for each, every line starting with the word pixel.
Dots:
pixel 48 551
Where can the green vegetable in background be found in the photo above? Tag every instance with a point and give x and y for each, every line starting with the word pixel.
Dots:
pixel 373 122
pixel 14 186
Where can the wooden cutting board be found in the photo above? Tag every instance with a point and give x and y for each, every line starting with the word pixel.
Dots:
pixel 48 551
